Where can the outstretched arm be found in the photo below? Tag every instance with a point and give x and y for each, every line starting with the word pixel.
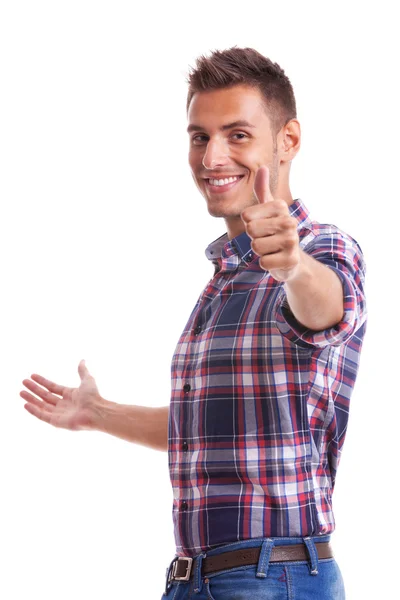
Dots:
pixel 147 426
pixel 84 408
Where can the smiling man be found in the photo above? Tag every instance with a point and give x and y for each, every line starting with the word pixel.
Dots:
pixel 263 372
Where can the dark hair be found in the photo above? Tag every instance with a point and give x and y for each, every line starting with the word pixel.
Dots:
pixel 235 66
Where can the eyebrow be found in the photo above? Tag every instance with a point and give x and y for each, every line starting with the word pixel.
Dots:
pixel 223 128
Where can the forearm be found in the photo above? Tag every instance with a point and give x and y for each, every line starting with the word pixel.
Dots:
pixel 315 295
pixel 147 426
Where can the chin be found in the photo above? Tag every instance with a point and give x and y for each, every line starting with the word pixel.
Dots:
pixel 222 213
pixel 231 209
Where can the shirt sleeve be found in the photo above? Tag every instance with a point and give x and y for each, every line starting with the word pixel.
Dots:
pixel 343 255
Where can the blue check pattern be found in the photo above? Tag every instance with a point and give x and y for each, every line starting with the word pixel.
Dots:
pixel 259 403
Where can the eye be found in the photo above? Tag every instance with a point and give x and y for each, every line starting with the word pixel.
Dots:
pixel 239 136
pixel 199 139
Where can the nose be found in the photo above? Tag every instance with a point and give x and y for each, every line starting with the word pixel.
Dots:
pixel 215 155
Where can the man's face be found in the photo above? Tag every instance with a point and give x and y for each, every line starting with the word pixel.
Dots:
pixel 230 138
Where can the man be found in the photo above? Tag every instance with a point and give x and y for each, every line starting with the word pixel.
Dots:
pixel 264 369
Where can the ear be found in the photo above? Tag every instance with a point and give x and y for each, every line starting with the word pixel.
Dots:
pixel 289 140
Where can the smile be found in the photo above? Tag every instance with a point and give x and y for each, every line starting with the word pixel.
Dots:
pixel 222 185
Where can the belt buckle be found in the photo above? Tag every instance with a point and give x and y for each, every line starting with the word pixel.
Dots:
pixel 188 568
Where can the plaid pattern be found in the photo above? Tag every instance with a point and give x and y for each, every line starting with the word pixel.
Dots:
pixel 259 403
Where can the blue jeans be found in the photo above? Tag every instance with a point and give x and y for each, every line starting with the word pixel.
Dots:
pixel 314 579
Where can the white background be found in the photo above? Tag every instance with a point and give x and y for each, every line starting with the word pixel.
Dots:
pixel 102 238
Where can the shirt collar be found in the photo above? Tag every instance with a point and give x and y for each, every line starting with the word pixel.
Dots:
pixel 222 247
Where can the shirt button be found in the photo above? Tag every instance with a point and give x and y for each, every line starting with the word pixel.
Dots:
pixel 186 388
pixel 185 446
pixel 197 330
pixel 249 257
pixel 184 506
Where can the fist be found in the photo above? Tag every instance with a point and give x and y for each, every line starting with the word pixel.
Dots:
pixel 273 231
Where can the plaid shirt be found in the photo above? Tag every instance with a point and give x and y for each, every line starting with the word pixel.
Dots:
pixel 259 403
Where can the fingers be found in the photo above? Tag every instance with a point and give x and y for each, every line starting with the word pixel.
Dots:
pixel 50 385
pixel 48 397
pixel 276 208
pixel 269 262
pixel 83 370
pixel 37 408
pixel 261 186
pixel 269 226
pixel 281 242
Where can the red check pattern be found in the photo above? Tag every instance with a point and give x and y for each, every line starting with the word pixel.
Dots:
pixel 259 403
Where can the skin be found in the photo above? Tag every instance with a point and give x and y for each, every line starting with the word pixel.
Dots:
pixel 214 152
pixel 230 134
pixel 258 204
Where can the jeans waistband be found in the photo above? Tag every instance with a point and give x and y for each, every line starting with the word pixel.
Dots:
pixel 193 565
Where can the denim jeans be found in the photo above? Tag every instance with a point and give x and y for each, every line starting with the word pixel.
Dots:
pixel 313 579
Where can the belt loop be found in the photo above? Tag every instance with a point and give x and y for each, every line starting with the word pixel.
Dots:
pixel 197 579
pixel 313 554
pixel 265 555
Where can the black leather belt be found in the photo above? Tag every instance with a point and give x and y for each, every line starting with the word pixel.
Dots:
pixel 183 567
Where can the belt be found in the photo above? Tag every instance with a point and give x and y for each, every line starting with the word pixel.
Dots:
pixel 182 569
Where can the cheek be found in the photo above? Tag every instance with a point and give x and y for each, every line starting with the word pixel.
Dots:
pixel 195 159
pixel 251 158
pixel 260 154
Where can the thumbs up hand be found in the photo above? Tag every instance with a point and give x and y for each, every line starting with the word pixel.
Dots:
pixel 273 231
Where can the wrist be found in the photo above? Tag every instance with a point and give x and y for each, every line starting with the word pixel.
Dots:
pixel 99 410
pixel 303 272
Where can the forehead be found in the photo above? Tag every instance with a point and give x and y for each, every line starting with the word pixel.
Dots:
pixel 214 108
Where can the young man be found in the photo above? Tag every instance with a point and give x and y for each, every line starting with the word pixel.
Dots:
pixel 264 369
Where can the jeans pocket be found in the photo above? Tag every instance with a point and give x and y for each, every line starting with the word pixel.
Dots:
pixel 242 584
pixel 207 586
pixel 326 585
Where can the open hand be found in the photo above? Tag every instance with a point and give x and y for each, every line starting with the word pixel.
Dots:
pixel 61 406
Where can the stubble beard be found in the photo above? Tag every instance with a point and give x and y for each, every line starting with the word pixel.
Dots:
pixel 235 211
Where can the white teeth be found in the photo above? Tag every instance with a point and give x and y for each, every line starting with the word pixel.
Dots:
pixel 223 181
